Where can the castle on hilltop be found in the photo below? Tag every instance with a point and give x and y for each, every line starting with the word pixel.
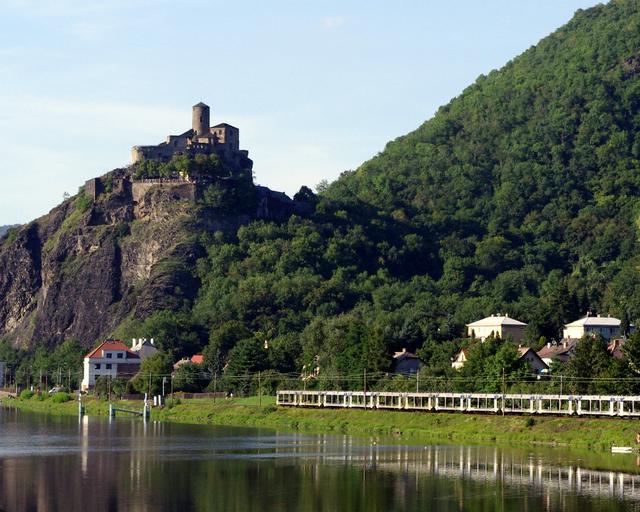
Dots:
pixel 221 139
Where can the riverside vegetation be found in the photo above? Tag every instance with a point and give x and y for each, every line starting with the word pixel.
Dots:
pixel 405 427
pixel 521 195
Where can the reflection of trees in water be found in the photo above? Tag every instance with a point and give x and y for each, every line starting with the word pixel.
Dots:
pixel 128 465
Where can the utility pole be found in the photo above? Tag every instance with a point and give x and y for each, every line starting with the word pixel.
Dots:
pixel 69 379
pixel 417 381
pixel 215 386
pixel 365 388
pixel 503 390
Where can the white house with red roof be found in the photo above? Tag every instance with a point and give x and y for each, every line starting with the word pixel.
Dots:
pixel 111 358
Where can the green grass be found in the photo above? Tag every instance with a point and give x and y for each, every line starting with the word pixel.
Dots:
pixel 584 433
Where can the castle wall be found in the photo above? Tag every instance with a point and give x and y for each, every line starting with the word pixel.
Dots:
pixel 177 189
pixel 93 188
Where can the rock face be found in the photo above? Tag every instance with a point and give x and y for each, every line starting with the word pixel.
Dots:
pixel 81 270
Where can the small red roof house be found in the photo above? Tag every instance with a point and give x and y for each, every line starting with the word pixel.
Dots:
pixel 112 358
pixel 530 356
pixel 196 359
pixel 559 351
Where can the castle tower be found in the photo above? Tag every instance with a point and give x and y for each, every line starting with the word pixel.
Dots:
pixel 200 119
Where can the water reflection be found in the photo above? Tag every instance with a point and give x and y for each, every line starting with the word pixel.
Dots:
pixel 60 464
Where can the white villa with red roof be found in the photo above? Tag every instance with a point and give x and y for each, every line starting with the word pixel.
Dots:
pixel 111 358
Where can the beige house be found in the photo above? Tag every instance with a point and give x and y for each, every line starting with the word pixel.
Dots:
pixel 606 326
pixel 497 325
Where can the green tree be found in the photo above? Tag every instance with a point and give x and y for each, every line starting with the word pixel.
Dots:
pixel 191 378
pixel 151 374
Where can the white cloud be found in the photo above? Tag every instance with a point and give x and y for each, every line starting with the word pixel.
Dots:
pixel 333 22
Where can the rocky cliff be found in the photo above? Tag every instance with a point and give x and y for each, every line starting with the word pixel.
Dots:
pixel 92 263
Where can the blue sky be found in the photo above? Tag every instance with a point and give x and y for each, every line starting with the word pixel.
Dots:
pixel 315 87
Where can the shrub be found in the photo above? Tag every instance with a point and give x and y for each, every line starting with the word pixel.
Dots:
pixel 530 422
pixel 83 202
pixel 60 397
pixel 26 394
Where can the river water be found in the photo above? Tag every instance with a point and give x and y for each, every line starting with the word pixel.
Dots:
pixel 64 464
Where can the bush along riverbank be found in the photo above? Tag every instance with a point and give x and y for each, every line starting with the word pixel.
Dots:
pixel 571 432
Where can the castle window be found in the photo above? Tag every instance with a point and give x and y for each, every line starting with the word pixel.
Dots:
pixel 97 366
pixel 108 366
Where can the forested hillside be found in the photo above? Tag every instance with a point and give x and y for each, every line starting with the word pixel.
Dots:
pixel 520 196
pixel 4 229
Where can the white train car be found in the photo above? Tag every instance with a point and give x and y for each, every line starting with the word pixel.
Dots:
pixel 491 403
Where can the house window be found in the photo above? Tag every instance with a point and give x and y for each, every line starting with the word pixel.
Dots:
pixel 120 354
pixel 97 366
pixel 109 355
pixel 108 365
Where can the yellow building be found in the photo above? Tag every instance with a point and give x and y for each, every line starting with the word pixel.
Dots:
pixel 497 325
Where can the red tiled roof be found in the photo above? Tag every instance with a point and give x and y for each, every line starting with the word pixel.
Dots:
pixel 559 349
pixel 96 353
pixel 197 359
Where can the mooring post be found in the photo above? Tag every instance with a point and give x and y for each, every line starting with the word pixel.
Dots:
pixel 146 412
pixel 80 406
pixel 112 412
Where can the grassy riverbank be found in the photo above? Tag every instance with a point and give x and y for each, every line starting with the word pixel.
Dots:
pixel 590 433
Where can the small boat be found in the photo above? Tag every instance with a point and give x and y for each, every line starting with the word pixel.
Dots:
pixel 621 449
